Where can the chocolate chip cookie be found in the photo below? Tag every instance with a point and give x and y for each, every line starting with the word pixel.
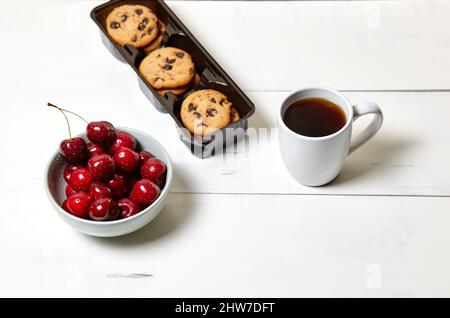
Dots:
pixel 182 89
pixel 204 111
pixel 167 67
pixel 132 24
pixel 157 42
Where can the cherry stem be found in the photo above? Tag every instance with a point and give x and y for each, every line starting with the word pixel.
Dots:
pixel 67 119
pixel 68 111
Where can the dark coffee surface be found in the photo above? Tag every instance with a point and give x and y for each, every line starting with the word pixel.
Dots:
pixel 314 117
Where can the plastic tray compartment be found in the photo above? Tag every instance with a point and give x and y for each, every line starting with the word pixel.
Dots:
pixel 211 74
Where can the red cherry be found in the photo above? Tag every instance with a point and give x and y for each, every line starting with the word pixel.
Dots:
pixel 144 192
pixel 101 167
pixel 64 206
pixel 94 149
pixel 80 179
pixel 98 190
pixel 128 207
pixel 123 139
pixel 126 159
pixel 101 132
pixel 104 209
pixel 68 169
pixel 74 150
pixel 69 191
pixel 145 155
pixel 119 186
pixel 78 204
pixel 153 169
pixel 162 181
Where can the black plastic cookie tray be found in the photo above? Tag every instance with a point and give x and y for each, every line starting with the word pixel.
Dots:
pixel 211 74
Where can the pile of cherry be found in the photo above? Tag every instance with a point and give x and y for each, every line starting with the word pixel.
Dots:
pixel 108 177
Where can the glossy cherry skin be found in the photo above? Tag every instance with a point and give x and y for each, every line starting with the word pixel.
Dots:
pixel 80 179
pixel 69 191
pixel 128 207
pixel 101 132
pixel 119 185
pixel 74 150
pixel 101 167
pixel 145 155
pixel 126 160
pixel 64 206
pixel 104 209
pixel 153 169
pixel 94 149
pixel 78 204
pixel 123 139
pixel 98 190
pixel 144 192
pixel 68 169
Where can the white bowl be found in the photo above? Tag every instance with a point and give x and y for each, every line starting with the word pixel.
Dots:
pixel 55 186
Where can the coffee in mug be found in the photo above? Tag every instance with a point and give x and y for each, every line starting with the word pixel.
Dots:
pixel 314 117
pixel 315 133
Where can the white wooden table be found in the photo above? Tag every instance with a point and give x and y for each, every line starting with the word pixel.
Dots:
pixel 239 226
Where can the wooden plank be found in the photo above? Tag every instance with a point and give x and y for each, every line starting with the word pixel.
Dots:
pixel 408 157
pixel 349 45
pixel 235 246
pixel 362 45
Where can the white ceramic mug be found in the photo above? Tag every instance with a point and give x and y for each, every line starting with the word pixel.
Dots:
pixel 316 161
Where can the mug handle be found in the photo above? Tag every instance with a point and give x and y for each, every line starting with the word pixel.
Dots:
pixel 362 109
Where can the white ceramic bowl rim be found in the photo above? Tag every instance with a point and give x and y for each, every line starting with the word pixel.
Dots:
pixel 106 223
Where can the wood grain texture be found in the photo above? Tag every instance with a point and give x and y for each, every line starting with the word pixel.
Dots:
pixel 407 157
pixel 360 45
pixel 234 245
pixel 348 45
pixel 239 226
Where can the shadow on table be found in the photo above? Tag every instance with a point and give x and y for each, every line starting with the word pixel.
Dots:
pixel 255 122
pixel 258 120
pixel 377 154
pixel 172 217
